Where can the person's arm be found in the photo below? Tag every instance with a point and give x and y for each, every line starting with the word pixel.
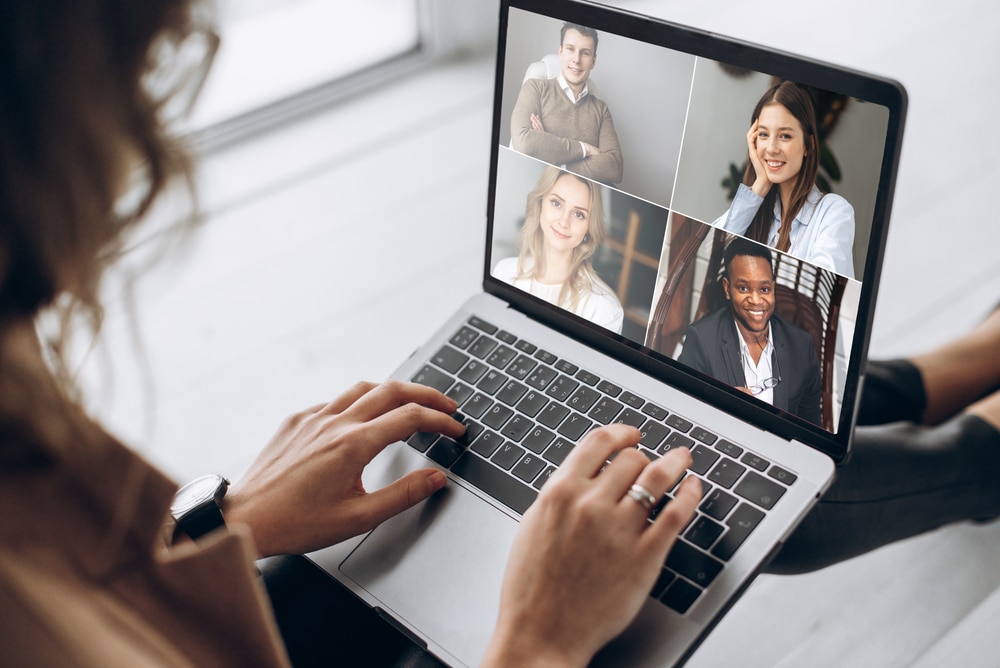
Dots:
pixel 831 241
pixel 741 212
pixel 304 490
pixel 586 555
pixel 540 144
pixel 603 162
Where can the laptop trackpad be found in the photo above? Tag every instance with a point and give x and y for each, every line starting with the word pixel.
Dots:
pixel 438 566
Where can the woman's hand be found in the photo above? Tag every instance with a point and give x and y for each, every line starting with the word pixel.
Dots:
pixel 586 556
pixel 762 184
pixel 304 490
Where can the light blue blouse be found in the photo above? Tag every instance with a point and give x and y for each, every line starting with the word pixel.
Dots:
pixel 822 232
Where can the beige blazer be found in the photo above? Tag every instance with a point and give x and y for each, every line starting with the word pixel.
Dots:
pixel 87 577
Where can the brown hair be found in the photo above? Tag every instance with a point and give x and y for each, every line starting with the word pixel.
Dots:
pixel 77 124
pixel 799 104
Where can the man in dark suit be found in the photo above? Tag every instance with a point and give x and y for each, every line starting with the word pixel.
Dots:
pixel 748 346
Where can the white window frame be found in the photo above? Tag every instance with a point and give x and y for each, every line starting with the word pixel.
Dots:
pixel 446 29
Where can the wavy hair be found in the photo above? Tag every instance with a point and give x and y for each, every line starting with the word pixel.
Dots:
pixel 799 104
pixel 531 239
pixel 84 153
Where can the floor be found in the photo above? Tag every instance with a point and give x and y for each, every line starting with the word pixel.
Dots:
pixel 332 246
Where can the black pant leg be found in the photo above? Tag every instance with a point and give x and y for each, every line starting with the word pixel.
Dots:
pixel 902 479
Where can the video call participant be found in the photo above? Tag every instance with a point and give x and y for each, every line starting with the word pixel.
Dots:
pixel 746 345
pixel 779 203
pixel 560 122
pixel 563 228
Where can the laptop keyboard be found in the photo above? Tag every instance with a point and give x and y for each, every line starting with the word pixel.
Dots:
pixel 525 409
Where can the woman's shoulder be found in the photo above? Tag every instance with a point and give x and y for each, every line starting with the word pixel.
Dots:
pixel 506 268
pixel 829 201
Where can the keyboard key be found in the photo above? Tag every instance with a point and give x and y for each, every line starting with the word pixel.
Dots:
pixel 532 403
pixel 494 482
pixel 477 405
pixel 422 440
pixel 473 371
pixel 501 357
pixel 587 378
pixel 487 443
pixel 633 400
pixel 605 410
pixel 758 489
pixel 678 423
pixel 703 459
pixel 741 524
pixel 718 504
pixel 583 399
pixel 655 412
pixel 653 434
pixel 541 377
pixel 728 448
pixel 693 564
pixel 491 382
pixel 566 367
pixel 575 426
pixel 497 416
pixel 460 392
pixel 483 346
pixel 553 415
pixel 755 462
pixel 556 453
pixel 665 578
pixel 506 337
pixel 525 347
pixel 464 337
pixel 703 532
pixel 481 324
pixel 631 418
pixel 521 367
pixel 433 378
pixel 529 467
pixel 507 455
pixel 703 435
pixel 680 596
pixel 782 476
pixel 609 389
pixel 445 451
pixel 538 439
pixel 517 427
pixel 676 440
pixel 511 392
pixel 449 359
pixel 562 387
pixel 726 473
pixel 546 357
pixel 543 478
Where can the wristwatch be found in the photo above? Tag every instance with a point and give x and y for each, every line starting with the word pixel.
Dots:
pixel 197 506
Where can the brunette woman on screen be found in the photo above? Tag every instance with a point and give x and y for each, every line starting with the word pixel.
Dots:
pixel 779 203
pixel 563 228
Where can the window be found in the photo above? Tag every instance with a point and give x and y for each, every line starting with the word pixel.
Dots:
pixel 278 58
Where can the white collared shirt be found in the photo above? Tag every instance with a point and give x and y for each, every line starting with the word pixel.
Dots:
pixel 755 374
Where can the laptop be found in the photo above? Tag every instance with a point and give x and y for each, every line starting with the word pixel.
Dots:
pixel 536 365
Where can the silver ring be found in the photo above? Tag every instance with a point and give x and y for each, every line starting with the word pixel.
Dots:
pixel 641 495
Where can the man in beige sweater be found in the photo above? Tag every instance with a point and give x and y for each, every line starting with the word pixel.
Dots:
pixel 559 121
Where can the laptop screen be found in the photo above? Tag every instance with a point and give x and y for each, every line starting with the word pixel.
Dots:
pixel 710 210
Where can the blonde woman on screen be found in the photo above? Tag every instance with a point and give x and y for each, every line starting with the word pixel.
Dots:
pixel 563 228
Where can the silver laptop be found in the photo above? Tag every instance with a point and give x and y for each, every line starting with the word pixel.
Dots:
pixel 655 176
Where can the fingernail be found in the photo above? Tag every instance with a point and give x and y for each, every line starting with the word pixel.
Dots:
pixel 437 480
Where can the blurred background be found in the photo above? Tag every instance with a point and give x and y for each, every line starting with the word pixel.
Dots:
pixel 344 150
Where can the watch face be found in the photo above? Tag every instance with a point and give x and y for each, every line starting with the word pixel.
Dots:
pixel 196 492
